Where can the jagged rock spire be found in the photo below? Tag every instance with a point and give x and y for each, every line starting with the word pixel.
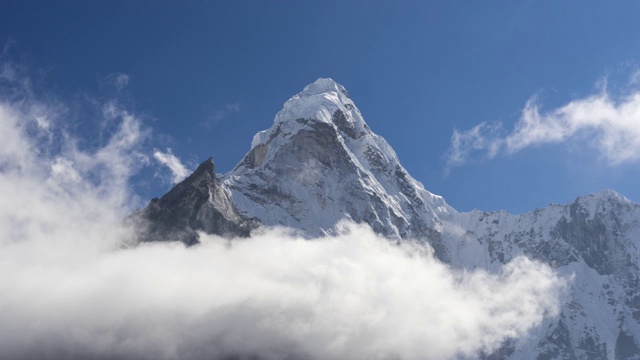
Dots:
pixel 198 203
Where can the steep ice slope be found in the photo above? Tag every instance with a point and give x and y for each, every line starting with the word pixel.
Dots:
pixel 595 239
pixel 320 163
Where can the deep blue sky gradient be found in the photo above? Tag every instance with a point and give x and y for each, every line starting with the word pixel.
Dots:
pixel 416 70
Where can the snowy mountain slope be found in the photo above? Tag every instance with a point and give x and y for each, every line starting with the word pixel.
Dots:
pixel 595 239
pixel 320 163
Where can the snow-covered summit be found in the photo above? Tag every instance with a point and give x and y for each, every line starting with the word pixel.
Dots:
pixel 320 163
pixel 323 85
pixel 607 195
pixel 324 101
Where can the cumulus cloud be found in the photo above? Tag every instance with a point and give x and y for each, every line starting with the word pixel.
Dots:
pixel 178 170
pixel 609 124
pixel 74 283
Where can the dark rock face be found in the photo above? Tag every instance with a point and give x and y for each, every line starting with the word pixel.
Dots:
pixel 592 238
pixel 626 348
pixel 343 124
pixel 199 203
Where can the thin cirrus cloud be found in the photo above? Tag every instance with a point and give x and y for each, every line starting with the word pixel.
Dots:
pixel 177 168
pixel 226 112
pixel 120 81
pixel 75 284
pixel 609 124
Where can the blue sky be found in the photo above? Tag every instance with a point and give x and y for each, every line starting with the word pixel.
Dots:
pixel 207 75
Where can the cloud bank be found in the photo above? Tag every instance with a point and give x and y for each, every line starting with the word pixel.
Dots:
pixel 74 284
pixel 609 124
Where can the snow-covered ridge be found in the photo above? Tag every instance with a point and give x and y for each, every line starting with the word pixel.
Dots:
pixel 596 240
pixel 320 162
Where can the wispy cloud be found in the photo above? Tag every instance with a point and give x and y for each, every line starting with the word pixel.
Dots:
pixel 222 114
pixel 481 137
pixel 168 159
pixel 121 81
pixel 635 78
pixel 609 124
pixel 117 80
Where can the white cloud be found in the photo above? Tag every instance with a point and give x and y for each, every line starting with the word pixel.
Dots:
pixel 14 149
pixel 610 126
pixel 178 170
pixel 74 285
pixel 463 144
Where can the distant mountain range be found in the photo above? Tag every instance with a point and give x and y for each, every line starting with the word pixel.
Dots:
pixel 320 163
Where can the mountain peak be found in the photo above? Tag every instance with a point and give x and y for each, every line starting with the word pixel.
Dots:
pixel 320 101
pixel 323 85
pixel 198 203
pixel 607 195
pixel 323 101
pixel 610 194
pixel 207 167
pixel 320 163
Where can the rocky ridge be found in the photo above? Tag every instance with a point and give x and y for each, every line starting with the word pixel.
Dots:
pixel 198 203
